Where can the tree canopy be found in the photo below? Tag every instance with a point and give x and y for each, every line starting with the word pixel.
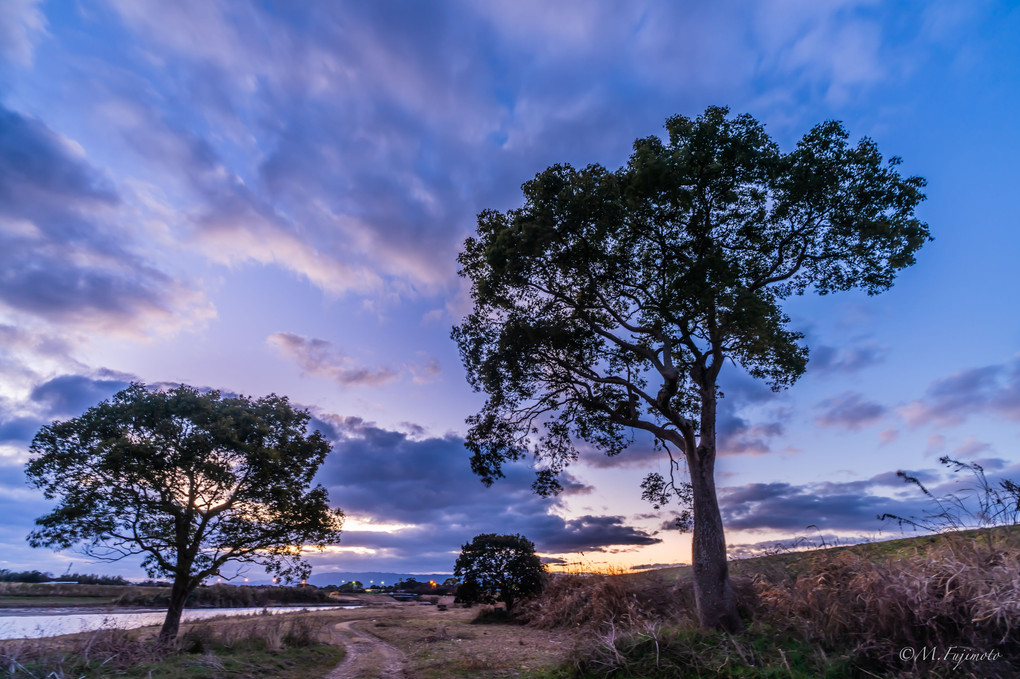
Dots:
pixel 611 300
pixel 498 568
pixel 190 481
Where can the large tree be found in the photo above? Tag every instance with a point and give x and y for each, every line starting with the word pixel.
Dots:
pixel 610 301
pixel 189 480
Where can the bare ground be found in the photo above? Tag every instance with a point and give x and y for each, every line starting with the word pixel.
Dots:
pixel 417 641
pixel 368 656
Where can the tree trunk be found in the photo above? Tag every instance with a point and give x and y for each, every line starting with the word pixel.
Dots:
pixel 172 623
pixel 713 592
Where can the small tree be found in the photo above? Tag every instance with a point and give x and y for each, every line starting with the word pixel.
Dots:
pixel 498 568
pixel 191 481
pixel 611 301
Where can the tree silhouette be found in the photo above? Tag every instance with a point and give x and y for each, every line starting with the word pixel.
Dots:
pixel 610 301
pixel 191 481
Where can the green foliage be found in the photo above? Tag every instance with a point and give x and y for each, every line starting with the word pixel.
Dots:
pixel 190 481
pixel 498 568
pixel 610 300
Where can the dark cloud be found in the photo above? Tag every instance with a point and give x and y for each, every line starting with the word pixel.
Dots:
pixel 19 429
pixel 428 484
pixel 321 357
pixel 849 410
pixel 594 533
pixel 62 257
pixel 789 508
pixel 71 395
pixel 808 540
pixel 737 432
pixel 746 424
pixel 828 360
pixel 855 505
pixel 951 400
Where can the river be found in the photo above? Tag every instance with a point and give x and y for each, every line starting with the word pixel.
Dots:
pixel 34 624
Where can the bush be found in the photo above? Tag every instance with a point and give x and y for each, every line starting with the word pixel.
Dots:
pixel 594 600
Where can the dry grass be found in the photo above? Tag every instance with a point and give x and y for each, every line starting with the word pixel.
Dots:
pixel 958 593
pixel 111 652
pixel 593 601
pixel 828 613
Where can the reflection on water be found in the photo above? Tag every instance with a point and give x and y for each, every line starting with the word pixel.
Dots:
pixel 63 621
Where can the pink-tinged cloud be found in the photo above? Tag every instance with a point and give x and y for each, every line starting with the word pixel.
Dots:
pixel 66 254
pixel 321 357
pixel 849 410
pixel 426 372
pixel 989 390
pixel 971 447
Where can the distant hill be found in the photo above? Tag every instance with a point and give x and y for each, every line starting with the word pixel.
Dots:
pixel 321 579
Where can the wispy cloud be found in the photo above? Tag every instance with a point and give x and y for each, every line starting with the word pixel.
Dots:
pixel 21 24
pixel 850 410
pixel 320 357
pixel 828 360
pixel 65 257
pixel 992 389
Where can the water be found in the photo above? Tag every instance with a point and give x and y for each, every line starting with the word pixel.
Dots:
pixel 66 621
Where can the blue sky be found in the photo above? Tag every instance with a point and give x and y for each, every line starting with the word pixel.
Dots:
pixel 269 197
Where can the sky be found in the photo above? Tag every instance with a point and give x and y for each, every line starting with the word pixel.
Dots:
pixel 269 197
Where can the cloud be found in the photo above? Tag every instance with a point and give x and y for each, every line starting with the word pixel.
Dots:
pixel 786 507
pixel 63 256
pixel 951 400
pixel 427 371
pixel 855 505
pixel 808 540
pixel 21 23
pixel 737 432
pixel 320 357
pixel 71 395
pixel 428 484
pixel 594 533
pixel 828 360
pixel 849 410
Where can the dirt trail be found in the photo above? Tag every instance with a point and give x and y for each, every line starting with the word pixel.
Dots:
pixel 368 657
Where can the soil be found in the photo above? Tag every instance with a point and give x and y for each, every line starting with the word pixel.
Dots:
pixel 419 641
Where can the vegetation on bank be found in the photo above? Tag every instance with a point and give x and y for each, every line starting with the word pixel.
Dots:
pixel 17 594
pixel 935 606
pixel 79 578
pixel 284 646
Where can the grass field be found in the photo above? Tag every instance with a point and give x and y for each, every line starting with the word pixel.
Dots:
pixel 845 611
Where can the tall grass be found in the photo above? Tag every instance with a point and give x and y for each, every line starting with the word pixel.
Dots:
pixel 838 613
pixel 112 652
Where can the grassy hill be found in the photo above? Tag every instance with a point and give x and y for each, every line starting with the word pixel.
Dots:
pixel 931 606
pixel 794 562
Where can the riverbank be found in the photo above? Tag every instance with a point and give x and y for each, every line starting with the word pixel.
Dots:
pixel 21 595
pixel 293 646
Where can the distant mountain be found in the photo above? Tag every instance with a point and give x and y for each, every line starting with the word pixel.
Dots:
pixel 367 578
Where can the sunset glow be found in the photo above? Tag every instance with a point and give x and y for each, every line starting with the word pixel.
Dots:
pixel 270 198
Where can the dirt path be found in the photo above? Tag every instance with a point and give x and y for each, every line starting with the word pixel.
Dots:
pixel 368 657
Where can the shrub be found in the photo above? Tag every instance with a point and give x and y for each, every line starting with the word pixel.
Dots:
pixel 594 600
